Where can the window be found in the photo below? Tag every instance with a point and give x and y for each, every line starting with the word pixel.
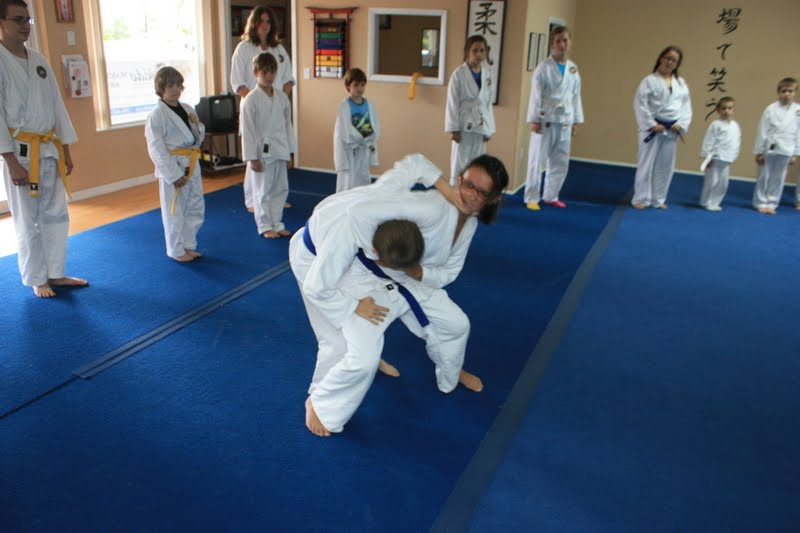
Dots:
pixel 132 40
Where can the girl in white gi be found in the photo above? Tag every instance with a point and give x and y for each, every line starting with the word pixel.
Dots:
pixel 332 283
pixel 268 146
pixel 663 112
pixel 35 134
pixel 777 147
pixel 174 134
pixel 355 136
pixel 720 149
pixel 554 111
pixel 260 35
pixel 469 117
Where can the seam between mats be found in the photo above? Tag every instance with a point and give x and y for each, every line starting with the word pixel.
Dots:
pixel 460 507
pixel 151 337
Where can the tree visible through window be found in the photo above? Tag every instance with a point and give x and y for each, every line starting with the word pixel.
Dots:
pixel 139 38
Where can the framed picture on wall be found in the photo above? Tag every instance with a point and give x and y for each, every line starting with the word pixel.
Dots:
pixel 543 48
pixel 533 42
pixel 486 18
pixel 64 11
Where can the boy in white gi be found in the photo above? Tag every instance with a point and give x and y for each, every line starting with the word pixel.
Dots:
pixel 355 136
pixel 345 222
pixel 174 134
pixel 554 111
pixel 469 116
pixel 777 147
pixel 35 134
pixel 720 149
pixel 268 146
pixel 260 35
pixel 663 112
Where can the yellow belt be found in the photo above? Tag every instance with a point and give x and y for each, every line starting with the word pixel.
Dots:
pixel 34 139
pixel 193 154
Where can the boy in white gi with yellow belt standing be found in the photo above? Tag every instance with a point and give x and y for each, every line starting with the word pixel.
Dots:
pixel 35 134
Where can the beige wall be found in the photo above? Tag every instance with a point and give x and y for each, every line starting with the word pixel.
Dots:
pixel 408 126
pixel 536 20
pixel 616 46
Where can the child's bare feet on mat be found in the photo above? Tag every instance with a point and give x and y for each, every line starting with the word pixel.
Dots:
pixel 284 233
pixel 389 370
pixel 470 381
pixel 639 206
pixel 270 235
pixel 250 210
pixel 766 210
pixel 313 422
pixel 194 253
pixel 43 291
pixel 185 258
pixel 287 205
pixel 67 281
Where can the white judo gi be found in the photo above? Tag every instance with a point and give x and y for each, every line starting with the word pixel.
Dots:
pixel 656 159
pixel 555 103
pixel 353 153
pixel 469 111
pixel 777 139
pixel 31 102
pixel 720 148
pixel 332 283
pixel 268 136
pixel 165 131
pixel 242 76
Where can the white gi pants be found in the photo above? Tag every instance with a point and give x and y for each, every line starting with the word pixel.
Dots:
pixel 715 183
pixel 654 169
pixel 461 153
pixel 358 173
pixel 270 190
pixel 41 224
pixel 247 185
pixel 348 358
pixel 180 228
pixel 548 149
pixel 769 186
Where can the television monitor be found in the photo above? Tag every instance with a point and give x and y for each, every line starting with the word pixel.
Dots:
pixel 218 113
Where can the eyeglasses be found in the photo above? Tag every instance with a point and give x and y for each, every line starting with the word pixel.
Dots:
pixel 22 21
pixel 471 186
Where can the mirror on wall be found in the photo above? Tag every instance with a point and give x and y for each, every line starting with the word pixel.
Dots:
pixel 405 41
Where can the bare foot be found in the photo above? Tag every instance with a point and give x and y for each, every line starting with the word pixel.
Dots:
pixel 287 205
pixel 67 281
pixel 470 381
pixel 44 291
pixel 313 422
pixel 766 210
pixel 270 235
pixel 389 370
pixel 194 253
pixel 284 233
pixel 639 206
pixel 662 206
pixel 250 210
pixel 185 258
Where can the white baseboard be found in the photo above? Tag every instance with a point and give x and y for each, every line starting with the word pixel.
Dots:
pixel 112 187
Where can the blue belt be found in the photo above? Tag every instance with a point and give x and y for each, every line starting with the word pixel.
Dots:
pixel 667 125
pixel 375 269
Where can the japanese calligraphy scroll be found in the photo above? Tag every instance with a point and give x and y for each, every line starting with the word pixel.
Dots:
pixel 485 17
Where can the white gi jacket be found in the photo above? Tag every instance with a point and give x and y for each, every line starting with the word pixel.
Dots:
pixel 655 100
pixel 267 121
pixel 346 221
pixel 242 66
pixel 555 98
pixel 31 102
pixel 469 108
pixel 722 141
pixel 165 131
pixel 779 130
pixel 347 139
